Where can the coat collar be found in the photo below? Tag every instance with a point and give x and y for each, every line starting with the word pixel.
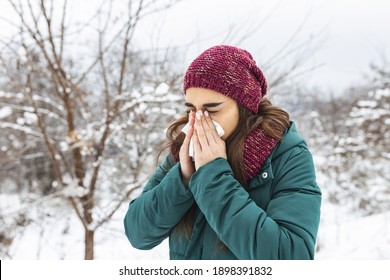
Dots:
pixel 290 140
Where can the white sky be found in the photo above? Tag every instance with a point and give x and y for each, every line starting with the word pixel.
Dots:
pixel 353 33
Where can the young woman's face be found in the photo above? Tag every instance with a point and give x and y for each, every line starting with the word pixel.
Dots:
pixel 222 109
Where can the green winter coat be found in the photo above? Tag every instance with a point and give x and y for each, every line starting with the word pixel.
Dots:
pixel 277 218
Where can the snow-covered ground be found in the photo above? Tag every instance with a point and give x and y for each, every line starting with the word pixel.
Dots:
pixel 339 237
pixel 348 237
pixel 342 235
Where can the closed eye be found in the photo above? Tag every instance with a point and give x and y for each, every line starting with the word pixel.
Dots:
pixel 205 106
pixel 211 112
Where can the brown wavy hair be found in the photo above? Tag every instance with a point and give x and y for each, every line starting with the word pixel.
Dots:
pixel 273 120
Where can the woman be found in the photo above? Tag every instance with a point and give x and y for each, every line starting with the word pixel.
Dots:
pixel 250 194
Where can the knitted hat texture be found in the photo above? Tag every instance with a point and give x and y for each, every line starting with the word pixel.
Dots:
pixel 230 71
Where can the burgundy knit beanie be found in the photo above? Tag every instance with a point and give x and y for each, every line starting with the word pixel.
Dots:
pixel 230 71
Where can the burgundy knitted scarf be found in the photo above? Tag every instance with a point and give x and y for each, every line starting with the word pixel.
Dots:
pixel 258 146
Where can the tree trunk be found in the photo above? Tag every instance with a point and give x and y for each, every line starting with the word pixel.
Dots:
pixel 89 232
pixel 89 244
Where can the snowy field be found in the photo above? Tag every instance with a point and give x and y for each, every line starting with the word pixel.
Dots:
pixel 341 236
pixel 366 238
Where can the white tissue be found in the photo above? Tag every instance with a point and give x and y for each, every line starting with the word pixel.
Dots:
pixel 185 129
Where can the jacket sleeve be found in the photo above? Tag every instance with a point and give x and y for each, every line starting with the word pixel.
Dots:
pixel 287 229
pixel 162 204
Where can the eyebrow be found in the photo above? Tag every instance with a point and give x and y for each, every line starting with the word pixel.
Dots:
pixel 207 105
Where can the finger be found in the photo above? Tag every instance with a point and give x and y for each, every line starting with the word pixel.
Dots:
pixel 200 132
pixel 187 139
pixel 192 126
pixel 197 145
pixel 211 129
pixel 191 123
pixel 192 118
pixel 207 129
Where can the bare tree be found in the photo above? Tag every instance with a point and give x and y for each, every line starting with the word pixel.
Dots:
pixel 350 137
pixel 87 109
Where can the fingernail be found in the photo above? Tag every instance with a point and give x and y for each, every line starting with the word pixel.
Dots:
pixel 199 115
pixel 206 113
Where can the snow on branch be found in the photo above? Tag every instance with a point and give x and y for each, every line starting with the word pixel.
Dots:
pixel 30 110
pixel 5 112
pixel 21 96
pixel 21 128
pixel 148 98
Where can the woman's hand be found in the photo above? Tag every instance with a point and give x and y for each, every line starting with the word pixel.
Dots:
pixel 207 143
pixel 186 163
